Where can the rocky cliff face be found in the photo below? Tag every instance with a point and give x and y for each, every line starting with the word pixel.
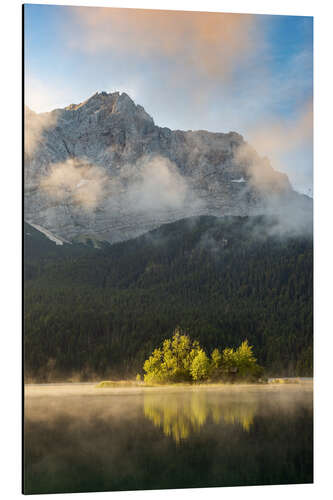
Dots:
pixel 103 169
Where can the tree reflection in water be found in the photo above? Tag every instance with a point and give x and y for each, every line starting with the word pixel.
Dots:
pixel 181 415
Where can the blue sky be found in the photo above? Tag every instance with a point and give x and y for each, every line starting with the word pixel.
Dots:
pixel 251 74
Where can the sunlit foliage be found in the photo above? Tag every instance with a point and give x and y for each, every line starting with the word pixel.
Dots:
pixel 200 366
pixel 173 361
pixel 182 360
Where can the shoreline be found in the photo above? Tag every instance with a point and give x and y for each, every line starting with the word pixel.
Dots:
pixel 89 389
pixel 135 385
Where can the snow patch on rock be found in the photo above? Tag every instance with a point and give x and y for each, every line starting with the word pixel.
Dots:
pixel 56 239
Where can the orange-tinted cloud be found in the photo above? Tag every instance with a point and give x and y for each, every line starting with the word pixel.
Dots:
pixel 212 43
pixel 275 138
pixel 278 136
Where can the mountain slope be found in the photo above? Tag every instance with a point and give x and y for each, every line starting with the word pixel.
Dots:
pixel 103 168
pixel 221 279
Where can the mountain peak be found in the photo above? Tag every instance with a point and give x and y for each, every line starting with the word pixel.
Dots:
pixel 115 102
pixel 96 100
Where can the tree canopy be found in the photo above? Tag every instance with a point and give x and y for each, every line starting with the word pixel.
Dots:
pixel 182 360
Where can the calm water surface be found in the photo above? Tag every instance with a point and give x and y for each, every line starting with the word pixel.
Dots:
pixel 79 438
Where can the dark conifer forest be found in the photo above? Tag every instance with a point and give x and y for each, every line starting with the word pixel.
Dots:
pixel 99 312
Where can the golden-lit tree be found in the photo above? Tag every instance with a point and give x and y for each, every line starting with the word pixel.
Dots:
pixel 172 362
pixel 182 360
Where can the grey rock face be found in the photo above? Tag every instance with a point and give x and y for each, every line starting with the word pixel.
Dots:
pixel 103 168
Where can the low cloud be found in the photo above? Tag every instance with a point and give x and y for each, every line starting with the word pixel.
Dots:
pixel 260 174
pixel 274 139
pixel 150 185
pixel 34 127
pixel 288 213
pixel 76 181
pixel 158 185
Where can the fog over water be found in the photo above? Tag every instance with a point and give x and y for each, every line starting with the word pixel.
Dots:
pixel 80 438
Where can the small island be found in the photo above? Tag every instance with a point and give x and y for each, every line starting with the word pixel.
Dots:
pixel 181 360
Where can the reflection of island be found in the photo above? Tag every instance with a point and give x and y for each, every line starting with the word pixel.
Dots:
pixel 180 415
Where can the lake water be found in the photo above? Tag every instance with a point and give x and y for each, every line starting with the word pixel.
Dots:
pixel 79 438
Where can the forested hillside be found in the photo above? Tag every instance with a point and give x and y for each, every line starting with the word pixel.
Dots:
pixel 100 312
